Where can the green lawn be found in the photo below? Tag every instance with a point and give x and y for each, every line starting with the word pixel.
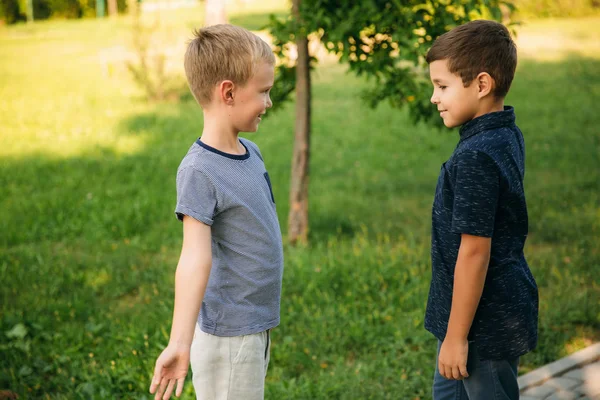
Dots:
pixel 89 242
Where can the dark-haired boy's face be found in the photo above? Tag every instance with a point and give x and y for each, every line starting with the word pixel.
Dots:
pixel 456 103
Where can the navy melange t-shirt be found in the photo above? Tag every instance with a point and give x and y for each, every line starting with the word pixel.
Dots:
pixel 480 192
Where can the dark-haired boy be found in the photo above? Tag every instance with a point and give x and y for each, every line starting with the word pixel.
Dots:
pixel 483 299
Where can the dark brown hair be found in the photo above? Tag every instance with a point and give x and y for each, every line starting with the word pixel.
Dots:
pixel 475 47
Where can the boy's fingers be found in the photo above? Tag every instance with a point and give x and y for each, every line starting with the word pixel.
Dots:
pixel 180 382
pixel 155 382
pixel 169 390
pixel 157 377
pixel 443 372
pixel 448 372
pixel 463 371
pixel 456 373
pixel 441 369
pixel 161 389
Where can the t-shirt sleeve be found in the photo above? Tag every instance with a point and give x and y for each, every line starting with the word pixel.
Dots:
pixel 196 196
pixel 476 192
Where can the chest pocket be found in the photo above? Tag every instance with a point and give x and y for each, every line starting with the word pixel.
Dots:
pixel 266 175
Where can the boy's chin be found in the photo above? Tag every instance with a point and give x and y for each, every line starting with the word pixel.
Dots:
pixel 452 124
pixel 249 129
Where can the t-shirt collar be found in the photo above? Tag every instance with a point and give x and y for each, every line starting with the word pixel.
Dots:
pixel 221 153
pixel 493 120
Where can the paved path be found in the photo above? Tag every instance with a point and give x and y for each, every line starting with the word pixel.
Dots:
pixel 574 377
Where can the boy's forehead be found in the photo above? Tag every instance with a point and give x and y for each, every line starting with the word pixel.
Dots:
pixel 439 67
pixel 264 73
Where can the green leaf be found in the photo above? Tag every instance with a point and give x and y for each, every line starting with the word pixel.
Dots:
pixel 17 332
pixel 367 30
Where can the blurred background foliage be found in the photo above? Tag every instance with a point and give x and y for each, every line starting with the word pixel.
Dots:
pixel 13 11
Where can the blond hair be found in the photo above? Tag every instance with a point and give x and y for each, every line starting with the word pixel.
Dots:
pixel 223 52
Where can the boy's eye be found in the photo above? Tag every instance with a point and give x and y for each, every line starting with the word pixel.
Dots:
pixel 442 87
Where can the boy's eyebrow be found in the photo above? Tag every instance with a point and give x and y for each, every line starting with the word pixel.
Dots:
pixel 436 80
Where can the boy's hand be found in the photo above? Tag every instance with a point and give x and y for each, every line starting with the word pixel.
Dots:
pixel 171 368
pixel 452 361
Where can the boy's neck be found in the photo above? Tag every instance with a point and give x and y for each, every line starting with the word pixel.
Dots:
pixel 220 135
pixel 489 106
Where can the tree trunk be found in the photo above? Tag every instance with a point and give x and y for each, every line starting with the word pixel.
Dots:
pixel 298 217
pixel 112 8
pixel 215 12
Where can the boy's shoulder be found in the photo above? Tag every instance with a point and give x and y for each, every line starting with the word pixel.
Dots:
pixel 193 159
pixel 494 142
pixel 494 128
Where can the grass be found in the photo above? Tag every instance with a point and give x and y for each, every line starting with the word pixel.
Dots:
pixel 89 242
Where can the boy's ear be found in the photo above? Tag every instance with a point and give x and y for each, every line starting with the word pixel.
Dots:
pixel 485 84
pixel 226 92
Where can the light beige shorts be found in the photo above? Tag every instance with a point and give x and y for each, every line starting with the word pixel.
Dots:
pixel 230 368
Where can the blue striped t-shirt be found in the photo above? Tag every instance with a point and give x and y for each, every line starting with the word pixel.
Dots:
pixel 232 194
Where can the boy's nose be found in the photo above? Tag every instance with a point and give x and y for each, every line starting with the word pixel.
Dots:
pixel 269 102
pixel 434 99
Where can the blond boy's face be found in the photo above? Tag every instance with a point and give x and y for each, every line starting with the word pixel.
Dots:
pixel 456 104
pixel 252 100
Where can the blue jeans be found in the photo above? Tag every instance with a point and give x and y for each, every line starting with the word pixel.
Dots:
pixel 488 380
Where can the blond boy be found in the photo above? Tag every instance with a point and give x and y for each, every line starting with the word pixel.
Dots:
pixel 228 279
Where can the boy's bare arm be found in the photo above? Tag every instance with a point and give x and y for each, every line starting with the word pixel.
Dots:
pixel 191 279
pixel 469 278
